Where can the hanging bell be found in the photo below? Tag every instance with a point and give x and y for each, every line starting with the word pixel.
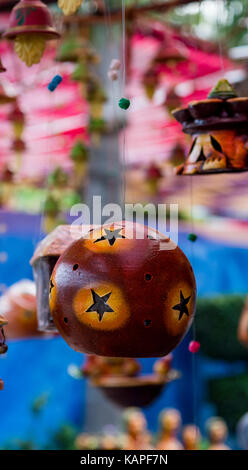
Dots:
pixel 219 127
pixel 30 26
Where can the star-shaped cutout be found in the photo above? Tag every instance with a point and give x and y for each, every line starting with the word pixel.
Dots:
pixel 51 286
pixel 111 236
pixel 100 304
pixel 182 307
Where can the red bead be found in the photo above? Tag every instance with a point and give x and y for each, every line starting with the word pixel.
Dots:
pixel 194 347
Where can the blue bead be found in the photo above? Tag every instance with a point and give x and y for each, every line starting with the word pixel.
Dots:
pixel 54 83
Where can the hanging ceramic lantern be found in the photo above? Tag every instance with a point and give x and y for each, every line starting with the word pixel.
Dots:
pixel 18 306
pixel 43 261
pixel 30 26
pixel 69 6
pixel 220 132
pixel 127 291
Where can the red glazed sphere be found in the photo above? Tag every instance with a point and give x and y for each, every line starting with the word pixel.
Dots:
pixel 30 16
pixel 194 347
pixel 123 296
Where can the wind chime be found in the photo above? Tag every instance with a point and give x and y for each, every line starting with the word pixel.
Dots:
pixel 30 26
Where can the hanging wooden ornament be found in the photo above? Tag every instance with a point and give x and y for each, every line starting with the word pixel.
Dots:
pixel 126 291
pixel 30 26
pixel 219 126
pixel 69 6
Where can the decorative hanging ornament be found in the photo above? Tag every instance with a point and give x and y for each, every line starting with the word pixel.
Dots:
pixel 219 126
pixel 17 118
pixel 124 291
pixel 69 6
pixel 30 26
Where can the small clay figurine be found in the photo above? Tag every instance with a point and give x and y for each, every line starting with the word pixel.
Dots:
pixel 163 366
pixel 191 437
pixel 170 423
pixel 217 433
pixel 136 435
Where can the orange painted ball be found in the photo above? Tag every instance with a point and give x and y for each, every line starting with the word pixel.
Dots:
pixel 125 291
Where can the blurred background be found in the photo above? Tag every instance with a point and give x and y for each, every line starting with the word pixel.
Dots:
pixel 63 147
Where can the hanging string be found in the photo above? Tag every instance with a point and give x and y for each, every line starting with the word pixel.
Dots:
pixel 111 41
pixel 123 21
pixel 192 256
pixel 220 5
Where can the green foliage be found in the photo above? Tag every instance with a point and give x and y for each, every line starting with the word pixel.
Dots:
pixel 216 327
pixel 230 395
pixel 64 439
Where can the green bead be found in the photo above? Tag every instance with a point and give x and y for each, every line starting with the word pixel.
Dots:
pixel 192 237
pixel 124 103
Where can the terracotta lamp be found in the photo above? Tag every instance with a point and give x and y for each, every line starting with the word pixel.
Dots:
pixel 30 26
pixel 43 261
pixel 18 306
pixel 126 291
pixel 219 127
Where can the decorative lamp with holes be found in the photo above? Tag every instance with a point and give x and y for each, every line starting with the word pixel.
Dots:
pixel 30 26
pixel 43 261
pixel 124 291
pixel 219 126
